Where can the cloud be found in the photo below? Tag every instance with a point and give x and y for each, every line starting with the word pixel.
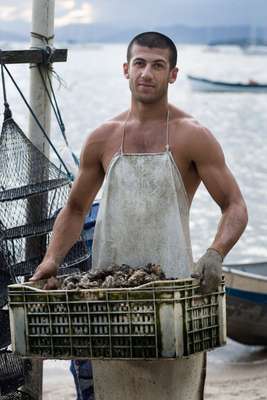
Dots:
pixel 151 13
pixel 66 11
pixel 147 14
pixel 13 12
pixel 26 14
pixel 66 4
pixel 80 15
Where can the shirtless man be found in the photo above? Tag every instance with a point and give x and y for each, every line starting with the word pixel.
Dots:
pixel 154 157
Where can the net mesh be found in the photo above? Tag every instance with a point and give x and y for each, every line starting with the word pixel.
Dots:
pixel 26 255
pixel 25 169
pixel 5 339
pixel 11 372
pixel 5 277
pixel 32 192
pixel 17 395
pixel 22 213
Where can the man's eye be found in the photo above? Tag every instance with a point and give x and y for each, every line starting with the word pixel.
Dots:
pixel 158 66
pixel 138 62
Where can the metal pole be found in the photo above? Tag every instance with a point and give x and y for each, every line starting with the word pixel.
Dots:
pixel 42 35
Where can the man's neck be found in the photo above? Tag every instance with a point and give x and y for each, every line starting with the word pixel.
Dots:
pixel 147 112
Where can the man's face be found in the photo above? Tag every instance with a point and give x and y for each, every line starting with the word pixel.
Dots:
pixel 149 73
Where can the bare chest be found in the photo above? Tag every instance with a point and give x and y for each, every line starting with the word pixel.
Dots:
pixel 155 141
pixel 134 142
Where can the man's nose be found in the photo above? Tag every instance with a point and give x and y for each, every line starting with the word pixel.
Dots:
pixel 147 72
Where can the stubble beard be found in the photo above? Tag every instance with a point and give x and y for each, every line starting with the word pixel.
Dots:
pixel 148 99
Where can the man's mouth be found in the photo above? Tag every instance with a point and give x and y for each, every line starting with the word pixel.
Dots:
pixel 146 85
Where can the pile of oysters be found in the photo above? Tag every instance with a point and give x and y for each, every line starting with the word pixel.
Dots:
pixel 114 276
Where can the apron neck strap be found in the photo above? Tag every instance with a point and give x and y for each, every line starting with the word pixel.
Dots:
pixel 167 130
pixel 124 130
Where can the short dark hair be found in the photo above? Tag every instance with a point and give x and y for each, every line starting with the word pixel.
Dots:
pixel 154 40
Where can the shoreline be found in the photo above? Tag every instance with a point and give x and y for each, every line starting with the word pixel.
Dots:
pixel 234 372
pixel 236 381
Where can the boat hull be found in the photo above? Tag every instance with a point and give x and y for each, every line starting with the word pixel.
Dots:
pixel 246 317
pixel 246 305
pixel 207 85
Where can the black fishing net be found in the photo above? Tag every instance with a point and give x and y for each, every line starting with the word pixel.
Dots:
pixel 5 339
pixel 17 395
pixel 32 191
pixel 5 280
pixel 25 254
pixel 33 215
pixel 5 276
pixel 11 372
pixel 25 170
pixel 32 188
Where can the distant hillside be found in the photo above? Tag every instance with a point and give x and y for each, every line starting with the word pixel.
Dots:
pixel 181 34
pixel 82 33
pixel 6 36
pixel 94 33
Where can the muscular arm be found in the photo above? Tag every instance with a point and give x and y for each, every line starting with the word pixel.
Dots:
pixel 69 223
pixel 216 176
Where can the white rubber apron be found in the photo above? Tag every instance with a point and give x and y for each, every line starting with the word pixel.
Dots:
pixel 144 218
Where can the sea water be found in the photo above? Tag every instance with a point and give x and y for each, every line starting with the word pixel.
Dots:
pixel 94 90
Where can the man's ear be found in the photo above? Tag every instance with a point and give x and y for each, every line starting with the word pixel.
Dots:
pixel 173 75
pixel 126 70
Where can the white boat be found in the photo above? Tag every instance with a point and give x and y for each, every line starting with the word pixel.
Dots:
pixel 207 85
pixel 246 302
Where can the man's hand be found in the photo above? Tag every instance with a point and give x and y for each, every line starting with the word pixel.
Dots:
pixel 46 270
pixel 208 270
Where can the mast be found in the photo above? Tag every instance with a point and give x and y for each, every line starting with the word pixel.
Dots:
pixel 43 12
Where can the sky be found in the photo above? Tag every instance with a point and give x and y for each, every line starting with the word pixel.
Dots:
pixel 134 13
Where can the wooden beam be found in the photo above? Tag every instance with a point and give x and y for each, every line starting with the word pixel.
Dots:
pixel 32 56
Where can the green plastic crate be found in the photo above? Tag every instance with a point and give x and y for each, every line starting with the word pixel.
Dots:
pixel 163 319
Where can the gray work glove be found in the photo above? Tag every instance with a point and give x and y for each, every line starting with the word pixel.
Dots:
pixel 208 270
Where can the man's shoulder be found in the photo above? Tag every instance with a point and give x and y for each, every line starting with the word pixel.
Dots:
pixel 108 129
pixel 186 125
pixel 191 137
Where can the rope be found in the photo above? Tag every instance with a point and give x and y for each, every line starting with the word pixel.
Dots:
pixel 3 82
pixel 54 73
pixel 58 110
pixel 38 123
pixel 7 112
pixel 48 54
pixel 42 37
pixel 49 51
pixel 55 107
